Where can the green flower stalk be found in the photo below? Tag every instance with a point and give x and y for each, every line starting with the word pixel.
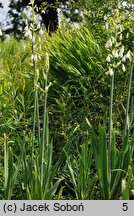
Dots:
pixel 44 138
pixel 112 163
pixel 127 125
pixel 30 30
pixel 110 124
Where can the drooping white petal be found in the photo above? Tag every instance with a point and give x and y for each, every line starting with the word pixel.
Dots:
pixel 115 53
pixel 129 56
pixel 124 58
pixel 121 52
pixel 111 71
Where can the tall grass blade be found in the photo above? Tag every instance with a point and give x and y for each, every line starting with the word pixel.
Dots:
pixel 10 175
pixel 99 145
pixel 126 183
pixel 80 172
pixel 50 193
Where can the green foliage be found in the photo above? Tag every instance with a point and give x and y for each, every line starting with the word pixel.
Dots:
pixel 54 92
pixel 120 161
pixel 101 159
pixel 80 171
pixel 9 168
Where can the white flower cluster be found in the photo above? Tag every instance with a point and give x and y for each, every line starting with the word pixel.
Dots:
pixel 35 57
pixel 116 49
pixel 32 22
pixel 116 53
pixel 119 55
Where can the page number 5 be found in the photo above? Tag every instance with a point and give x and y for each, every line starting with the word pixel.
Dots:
pixel 125 206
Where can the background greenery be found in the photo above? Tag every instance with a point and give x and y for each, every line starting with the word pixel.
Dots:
pixel 54 110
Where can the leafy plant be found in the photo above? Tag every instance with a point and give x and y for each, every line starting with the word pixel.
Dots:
pixel 113 163
pixel 80 172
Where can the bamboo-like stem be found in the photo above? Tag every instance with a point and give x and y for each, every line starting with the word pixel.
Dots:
pixel 5 159
pixel 110 126
pixel 38 121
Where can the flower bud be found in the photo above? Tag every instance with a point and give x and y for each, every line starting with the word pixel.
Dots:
pixel 47 62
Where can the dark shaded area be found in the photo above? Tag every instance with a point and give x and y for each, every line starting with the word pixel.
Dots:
pixel 1 5
pixel 49 14
pixel 50 19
